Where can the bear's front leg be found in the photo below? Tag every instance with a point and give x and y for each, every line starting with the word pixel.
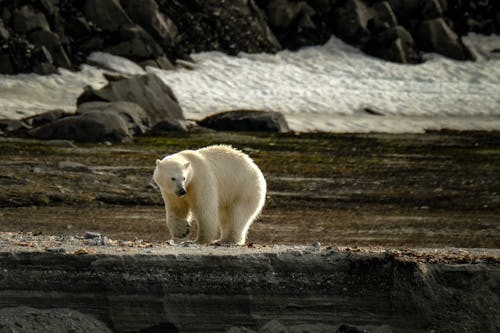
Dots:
pixel 177 218
pixel 207 216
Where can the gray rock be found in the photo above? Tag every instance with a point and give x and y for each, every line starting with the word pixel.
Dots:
pixel 6 65
pixel 106 14
pixel 436 36
pixel 137 119
pixel 93 126
pixel 383 13
pixel 26 19
pixel 13 126
pixel 281 13
pixel 160 62
pixel 91 235
pixel 30 320
pixel 394 44
pixel 147 14
pixel 73 166
pixel 148 91
pixel 246 120
pixel 351 21
pixel 137 44
pixel 51 41
pixel 237 26
pixel 45 118
pixel 4 33
pixel 60 143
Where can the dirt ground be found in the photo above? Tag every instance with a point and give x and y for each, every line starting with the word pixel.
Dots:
pixel 427 190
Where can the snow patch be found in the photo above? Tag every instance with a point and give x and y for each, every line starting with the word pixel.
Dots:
pixel 320 88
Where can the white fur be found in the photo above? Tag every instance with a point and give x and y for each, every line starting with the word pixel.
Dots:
pixel 225 192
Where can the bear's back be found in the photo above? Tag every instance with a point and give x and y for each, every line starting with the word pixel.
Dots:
pixel 234 170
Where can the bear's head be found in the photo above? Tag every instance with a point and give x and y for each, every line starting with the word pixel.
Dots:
pixel 173 175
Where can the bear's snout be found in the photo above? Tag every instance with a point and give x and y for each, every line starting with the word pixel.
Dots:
pixel 180 192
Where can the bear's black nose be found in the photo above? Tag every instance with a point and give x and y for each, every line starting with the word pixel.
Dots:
pixel 181 192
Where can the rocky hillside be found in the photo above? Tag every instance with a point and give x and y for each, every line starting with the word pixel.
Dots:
pixel 41 35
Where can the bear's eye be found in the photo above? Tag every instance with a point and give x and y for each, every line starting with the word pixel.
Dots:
pixel 183 178
pixel 173 178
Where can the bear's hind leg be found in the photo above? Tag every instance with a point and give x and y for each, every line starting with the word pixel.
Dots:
pixel 239 219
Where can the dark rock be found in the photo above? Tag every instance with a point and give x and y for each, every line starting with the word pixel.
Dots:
pixel 106 14
pixel 45 118
pixel 383 13
pixel 281 13
pixel 31 320
pixel 293 23
pixel 27 19
pixel 267 121
pixel 137 44
pixel 146 14
pixel 49 6
pixel 136 118
pixel 4 33
pixel 13 126
pixel 53 44
pixel 431 9
pixel 161 62
pixel 436 36
pixel 6 65
pixel 43 62
pixel 93 126
pixel 170 125
pixel 394 44
pixel 73 166
pixel 148 91
pixel 351 21
pixel 236 26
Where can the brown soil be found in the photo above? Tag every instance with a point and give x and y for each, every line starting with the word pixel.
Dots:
pixel 429 190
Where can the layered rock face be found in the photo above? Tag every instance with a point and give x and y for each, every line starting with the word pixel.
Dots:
pixel 41 35
pixel 192 290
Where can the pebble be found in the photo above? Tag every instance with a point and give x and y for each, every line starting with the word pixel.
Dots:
pixel 56 250
pixel 73 166
pixel 92 235
pixel 60 143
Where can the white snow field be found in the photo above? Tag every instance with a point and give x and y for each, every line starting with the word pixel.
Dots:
pixel 320 88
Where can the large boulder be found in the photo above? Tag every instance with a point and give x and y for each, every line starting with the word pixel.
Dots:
pixel 246 120
pixel 87 127
pixel 436 36
pixel 27 19
pixel 351 21
pixel 394 44
pixel 52 42
pixel 147 14
pixel 136 44
pixel 281 13
pixel 232 27
pixel 148 91
pixel 107 15
pixel 97 122
pixel 137 119
pixel 293 23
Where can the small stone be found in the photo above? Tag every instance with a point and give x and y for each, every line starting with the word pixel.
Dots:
pixel 60 143
pixel 92 235
pixel 56 250
pixel 73 166
pixel 170 242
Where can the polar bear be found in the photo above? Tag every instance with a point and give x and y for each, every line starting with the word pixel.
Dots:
pixel 221 187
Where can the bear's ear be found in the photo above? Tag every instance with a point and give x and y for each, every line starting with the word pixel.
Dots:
pixel 186 165
pixel 157 162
